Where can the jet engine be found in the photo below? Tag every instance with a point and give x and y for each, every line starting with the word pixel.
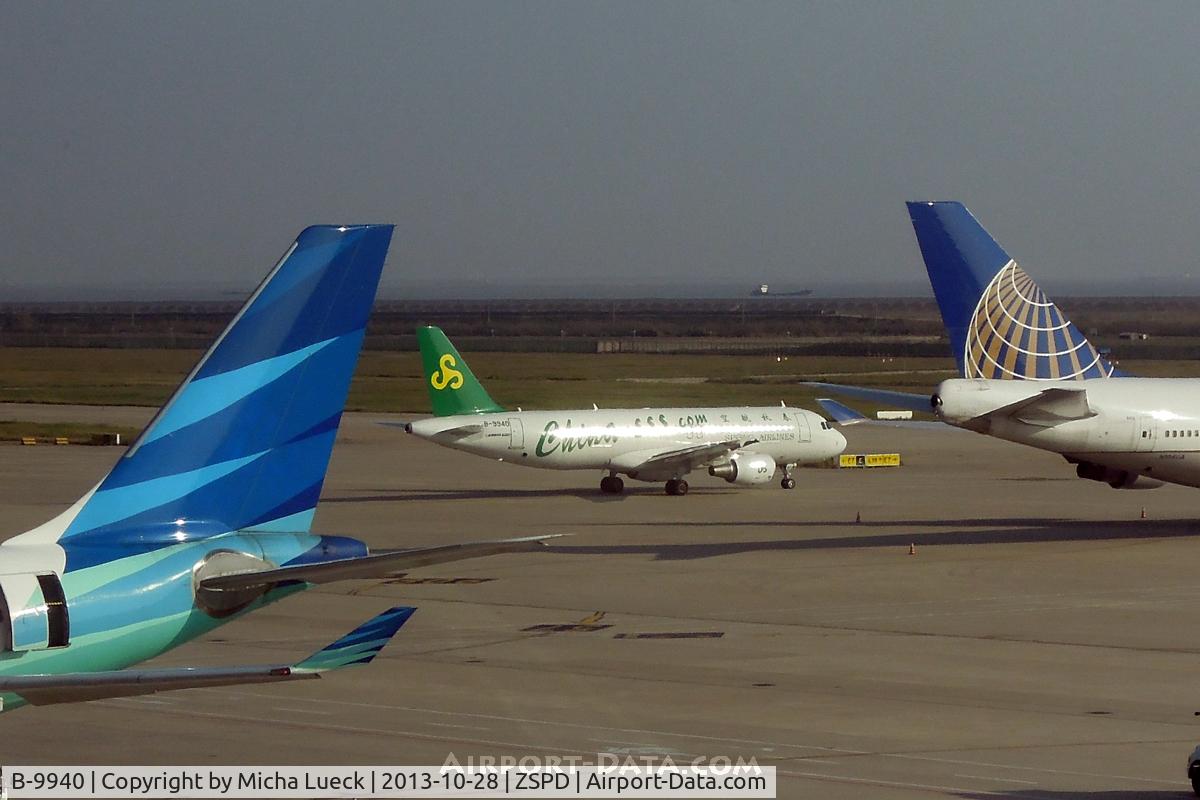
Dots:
pixel 745 469
pixel 1116 478
pixel 33 613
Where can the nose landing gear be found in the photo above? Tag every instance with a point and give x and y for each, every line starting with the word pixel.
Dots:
pixel 788 481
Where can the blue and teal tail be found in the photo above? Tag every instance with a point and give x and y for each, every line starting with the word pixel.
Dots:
pixel 1001 325
pixel 245 441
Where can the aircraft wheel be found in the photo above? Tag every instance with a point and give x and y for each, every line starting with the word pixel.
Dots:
pixel 611 484
pixel 677 487
pixel 788 483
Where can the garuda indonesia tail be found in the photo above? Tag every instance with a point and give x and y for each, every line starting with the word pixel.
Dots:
pixel 1000 323
pixel 206 517
pixel 244 442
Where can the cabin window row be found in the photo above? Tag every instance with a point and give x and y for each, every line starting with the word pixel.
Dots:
pixel 1175 434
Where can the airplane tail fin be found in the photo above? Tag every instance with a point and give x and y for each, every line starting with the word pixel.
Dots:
pixel 244 442
pixel 453 388
pixel 1001 325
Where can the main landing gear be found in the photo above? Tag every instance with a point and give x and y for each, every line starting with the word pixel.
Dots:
pixel 611 484
pixel 677 486
pixel 788 481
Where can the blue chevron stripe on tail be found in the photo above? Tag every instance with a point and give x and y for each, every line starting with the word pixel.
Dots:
pixel 244 442
pixel 1000 323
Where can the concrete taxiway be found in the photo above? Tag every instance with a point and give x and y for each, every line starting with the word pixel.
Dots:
pixel 1042 641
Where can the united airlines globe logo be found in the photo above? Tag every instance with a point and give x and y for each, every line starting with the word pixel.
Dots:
pixel 1017 333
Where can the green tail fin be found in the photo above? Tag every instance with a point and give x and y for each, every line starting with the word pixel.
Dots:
pixel 453 388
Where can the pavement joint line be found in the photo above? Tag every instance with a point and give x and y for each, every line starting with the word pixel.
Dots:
pixel 881 782
pixel 1180 593
pixel 817 626
pixel 451 725
pixel 524 720
pixel 729 740
pixel 990 778
pixel 1017 767
pixel 839 692
pixel 146 701
pixel 366 731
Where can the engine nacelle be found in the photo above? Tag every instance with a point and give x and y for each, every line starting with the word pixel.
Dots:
pixel 745 469
pixel 1116 478
pixel 33 613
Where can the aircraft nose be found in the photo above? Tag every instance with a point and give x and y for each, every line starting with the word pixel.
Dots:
pixel 838 443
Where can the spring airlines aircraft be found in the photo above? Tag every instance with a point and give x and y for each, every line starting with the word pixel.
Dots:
pixel 206 517
pixel 742 445
pixel 1030 376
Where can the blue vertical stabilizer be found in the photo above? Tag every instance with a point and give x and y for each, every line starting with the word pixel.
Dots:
pixel 1000 323
pixel 245 440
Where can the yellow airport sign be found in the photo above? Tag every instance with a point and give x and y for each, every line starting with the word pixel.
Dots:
pixel 864 460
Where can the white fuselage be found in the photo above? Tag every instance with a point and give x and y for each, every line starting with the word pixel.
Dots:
pixel 1146 427
pixel 619 440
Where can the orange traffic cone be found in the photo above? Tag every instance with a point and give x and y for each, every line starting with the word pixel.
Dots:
pixel 1143 512
pixel 912 549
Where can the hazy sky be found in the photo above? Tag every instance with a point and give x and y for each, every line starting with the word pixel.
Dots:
pixel 562 144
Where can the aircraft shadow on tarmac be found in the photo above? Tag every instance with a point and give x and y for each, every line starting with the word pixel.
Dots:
pixel 953 532
pixel 590 494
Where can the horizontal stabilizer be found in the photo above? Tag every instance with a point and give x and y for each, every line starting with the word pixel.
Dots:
pixel 458 432
pixel 378 565
pixel 845 416
pixel 357 647
pixel 886 398
pixel 842 414
pixel 1046 408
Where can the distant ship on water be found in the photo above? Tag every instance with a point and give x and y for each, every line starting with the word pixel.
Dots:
pixel 764 290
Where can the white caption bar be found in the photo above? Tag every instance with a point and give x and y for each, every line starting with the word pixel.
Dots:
pixel 321 782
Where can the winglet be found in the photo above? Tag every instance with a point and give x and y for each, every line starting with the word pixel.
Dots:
pixel 842 414
pixel 360 645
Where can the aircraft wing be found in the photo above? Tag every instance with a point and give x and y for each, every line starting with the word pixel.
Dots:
pixel 359 646
pixel 684 459
pixel 1045 409
pixel 377 565
pixel 886 397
